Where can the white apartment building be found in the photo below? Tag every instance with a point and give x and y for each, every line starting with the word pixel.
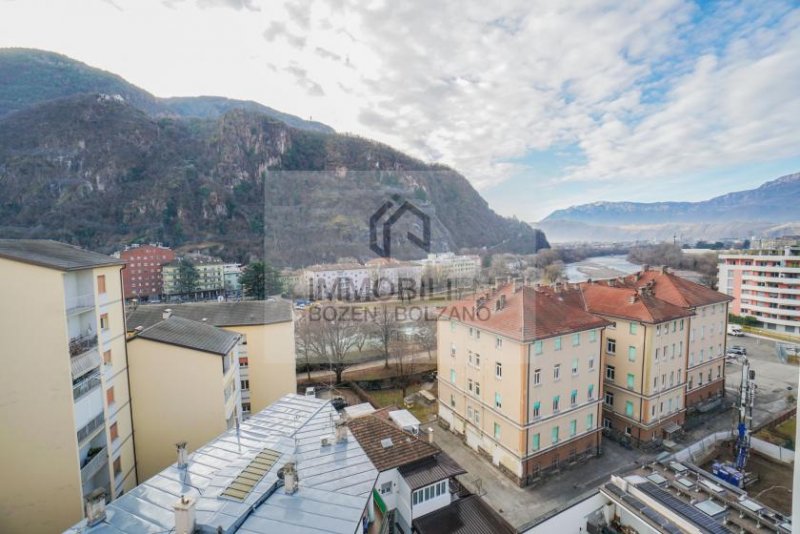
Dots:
pixel 449 266
pixel 764 282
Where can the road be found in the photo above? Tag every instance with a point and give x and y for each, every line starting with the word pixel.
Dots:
pixel 375 365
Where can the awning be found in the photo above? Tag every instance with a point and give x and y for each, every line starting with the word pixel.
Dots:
pixel 672 427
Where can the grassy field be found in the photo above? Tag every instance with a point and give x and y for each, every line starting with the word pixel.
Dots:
pixel 394 397
pixel 782 434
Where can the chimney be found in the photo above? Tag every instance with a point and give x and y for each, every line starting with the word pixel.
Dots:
pixel 502 301
pixel 96 507
pixel 183 460
pixel 290 478
pixel 664 269
pixel 518 285
pixel 166 314
pixel 645 267
pixel 632 299
pixel 427 434
pixel 341 430
pixel 185 515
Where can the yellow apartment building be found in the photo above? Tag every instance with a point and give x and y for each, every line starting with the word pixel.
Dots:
pixel 267 352
pixel 64 399
pixel 184 379
pixel 520 378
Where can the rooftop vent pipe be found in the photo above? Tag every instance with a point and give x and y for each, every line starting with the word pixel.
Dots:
pixel 183 459
pixel 96 507
pixel 185 520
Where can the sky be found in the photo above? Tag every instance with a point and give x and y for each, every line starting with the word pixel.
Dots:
pixel 541 105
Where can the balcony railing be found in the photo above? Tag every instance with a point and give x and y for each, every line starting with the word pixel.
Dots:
pixel 77 302
pixel 86 385
pixel 93 464
pixel 90 427
pixel 80 344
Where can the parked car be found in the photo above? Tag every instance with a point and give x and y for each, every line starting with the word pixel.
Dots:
pixel 739 349
pixel 735 330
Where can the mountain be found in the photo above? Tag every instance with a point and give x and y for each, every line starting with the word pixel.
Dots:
pixel 29 77
pixel 766 210
pixel 100 171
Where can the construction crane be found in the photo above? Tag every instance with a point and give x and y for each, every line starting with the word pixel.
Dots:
pixel 734 472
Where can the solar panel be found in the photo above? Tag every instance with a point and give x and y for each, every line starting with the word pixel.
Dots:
pixel 241 486
pixel 678 506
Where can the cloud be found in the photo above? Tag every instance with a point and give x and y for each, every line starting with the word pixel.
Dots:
pixel 251 5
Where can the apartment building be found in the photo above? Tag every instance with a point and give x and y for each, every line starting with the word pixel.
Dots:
pixel 764 283
pixel 210 276
pixel 141 279
pixel 644 359
pixel 708 325
pixel 64 400
pixel 460 269
pixel 389 276
pixel 345 281
pixel 285 470
pixel 184 379
pixel 520 378
pixel 267 363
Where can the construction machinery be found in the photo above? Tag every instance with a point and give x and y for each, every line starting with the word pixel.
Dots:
pixel 734 472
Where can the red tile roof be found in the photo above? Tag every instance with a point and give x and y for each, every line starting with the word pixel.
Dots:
pixel 628 303
pixel 522 313
pixel 676 290
pixel 405 448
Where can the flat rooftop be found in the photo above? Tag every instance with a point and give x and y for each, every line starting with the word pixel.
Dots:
pixel 53 254
pixel 244 313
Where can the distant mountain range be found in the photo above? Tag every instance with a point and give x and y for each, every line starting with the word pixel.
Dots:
pixel 87 158
pixel 768 210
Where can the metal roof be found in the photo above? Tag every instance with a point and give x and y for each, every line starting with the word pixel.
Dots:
pixel 190 334
pixel 470 515
pixel 430 470
pixel 53 254
pixel 244 313
pixel 335 481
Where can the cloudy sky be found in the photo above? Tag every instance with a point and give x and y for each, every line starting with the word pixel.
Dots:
pixel 541 105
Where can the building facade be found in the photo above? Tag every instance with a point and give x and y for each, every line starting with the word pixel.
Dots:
pixel 64 400
pixel 764 283
pixel 520 379
pixel 210 276
pixel 184 379
pixel 459 270
pixel 267 363
pixel 141 279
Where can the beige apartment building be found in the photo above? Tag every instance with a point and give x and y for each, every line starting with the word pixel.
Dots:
pixel 267 352
pixel 520 378
pixel 185 387
pixel 64 400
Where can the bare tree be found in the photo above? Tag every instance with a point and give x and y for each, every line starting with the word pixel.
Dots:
pixel 362 335
pixel 386 326
pixel 426 336
pixel 403 360
pixel 302 340
pixel 332 338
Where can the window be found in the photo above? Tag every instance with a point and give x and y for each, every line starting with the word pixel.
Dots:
pixel 453 349
pixel 469 357
pixel 496 431
pixel 557 343
pixel 469 384
pixel 537 377
pixel 113 431
pixel 691 380
pixel 244 362
pixel 245 407
pixel 453 376
pixel 110 395
pixel 498 401
pixel 674 325
pixel 477 360
pixel 537 409
pixel 630 380
pixel 609 398
pixel 576 339
pixel 535 442
pixel 498 370
pixel 498 342
pixel 573 397
pixel 470 331
pixel 591 363
pixel 556 400
pixel 610 372
pixel 631 353
pixel 104 322
pixel 469 412
pixel 554 435
pixel 681 325
pixel 632 328
pixel 101 284
pixel 658 353
pixel 245 384
pixel 452 400
pixel 574 366
pixel 629 408
pixel 477 334
pixel 425 494
pixel 590 421
pixel 478 389
pixel 557 371
pixel 592 335
pixel 671 378
pixel 107 357
pixel 590 394
pixel 386 487
pixel 537 347
pixel 118 466
pixel 611 346
pixel 573 427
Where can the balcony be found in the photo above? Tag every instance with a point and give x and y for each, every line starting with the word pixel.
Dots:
pixel 96 460
pixel 80 303
pixel 90 428
pixel 86 386
pixel 81 344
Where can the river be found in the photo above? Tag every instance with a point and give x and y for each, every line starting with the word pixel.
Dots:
pixel 600 267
